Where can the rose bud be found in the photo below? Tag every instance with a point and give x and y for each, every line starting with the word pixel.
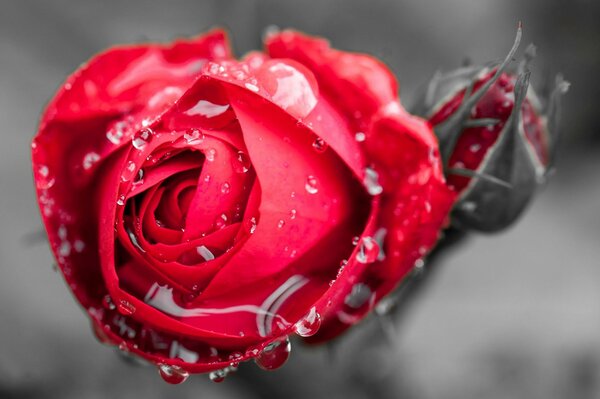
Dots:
pixel 203 209
pixel 497 139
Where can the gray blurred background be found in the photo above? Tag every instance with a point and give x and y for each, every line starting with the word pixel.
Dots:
pixel 515 315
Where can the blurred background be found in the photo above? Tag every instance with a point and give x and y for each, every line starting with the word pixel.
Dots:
pixel 514 315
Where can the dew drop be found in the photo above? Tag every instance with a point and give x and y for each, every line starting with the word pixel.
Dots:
pixel 475 147
pixel 90 159
pixel 64 249
pixel 251 87
pixel 225 188
pixel 319 145
pixel 252 225
pixel 309 325
pixel 193 136
pixel 205 253
pixel 355 240
pixel 115 134
pixel 121 200
pixel 274 355
pixel 311 185
pixel 139 178
pixel 368 250
pixel 141 138
pixel 125 307
pixel 128 172
pixel 221 221
pixel 360 137
pixel 107 303
pixel 242 163
pixel 280 223
pixel 293 214
pixel 210 154
pixel 371 182
pixel 218 375
pixel 172 374
pixel 44 179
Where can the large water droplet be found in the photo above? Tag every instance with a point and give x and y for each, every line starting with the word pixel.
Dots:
pixel 311 185
pixel 44 180
pixel 193 136
pixel 371 182
pixel 368 250
pixel 172 374
pixel 90 159
pixel 274 355
pixel 242 163
pixel 309 325
pixel 319 145
pixel 125 307
pixel 141 138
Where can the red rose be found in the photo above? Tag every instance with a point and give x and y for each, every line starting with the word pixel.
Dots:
pixel 202 209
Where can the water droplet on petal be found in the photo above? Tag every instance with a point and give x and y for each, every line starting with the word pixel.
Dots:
pixel 252 225
pixel 475 147
pixel 242 163
pixel 128 172
pixel 210 154
pixel 371 182
pixel 311 185
pixel 309 325
pixel 139 178
pixel 44 180
pixel 221 221
pixel 225 188
pixel 280 223
pixel 293 214
pixel 205 253
pixel 108 303
pixel 251 87
pixel 218 375
pixel 368 250
pixel 360 137
pixel 141 138
pixel 90 159
pixel 319 145
pixel 207 109
pixel 172 374
pixel 121 200
pixel 116 133
pixel 274 355
pixel 355 240
pixel 193 136
pixel 125 307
